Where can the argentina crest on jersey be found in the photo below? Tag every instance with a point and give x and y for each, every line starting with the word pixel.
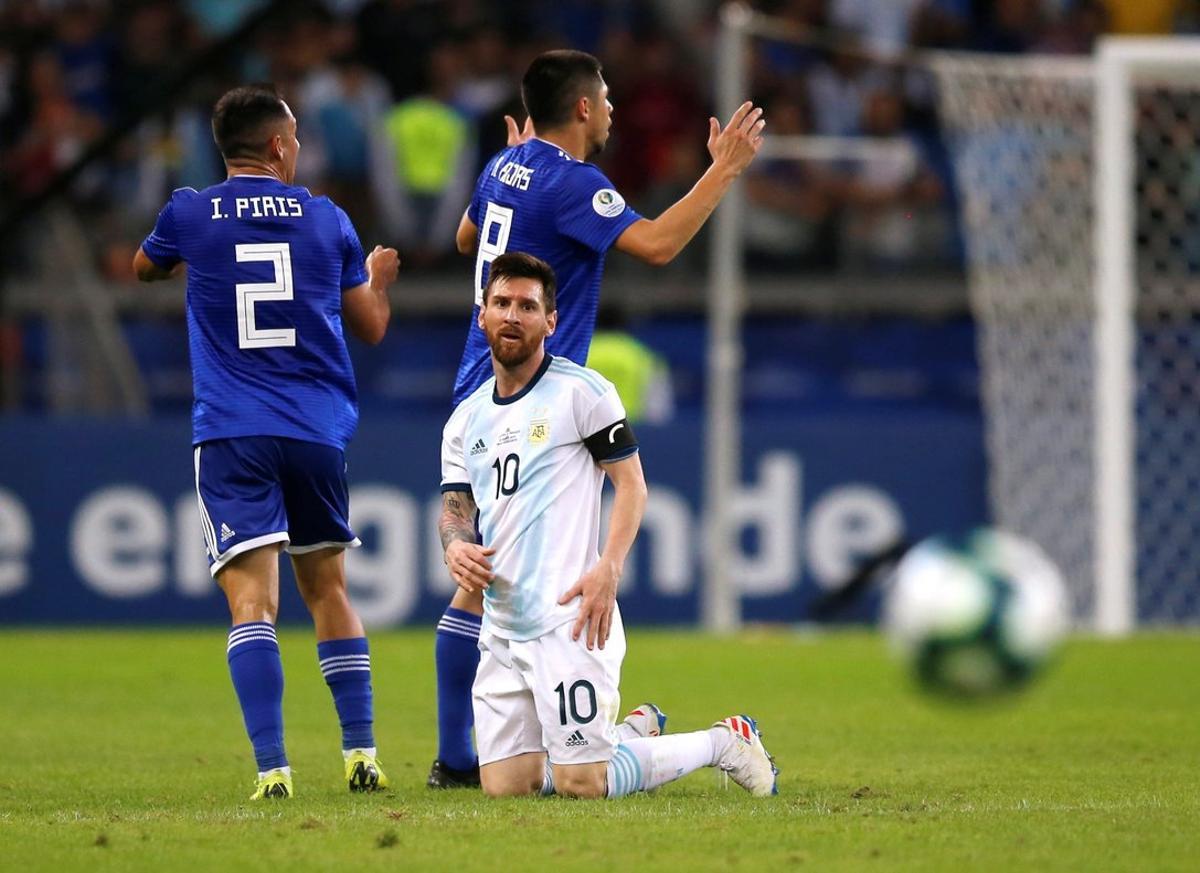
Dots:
pixel 539 425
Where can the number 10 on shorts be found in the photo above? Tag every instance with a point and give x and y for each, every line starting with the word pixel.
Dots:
pixel 582 692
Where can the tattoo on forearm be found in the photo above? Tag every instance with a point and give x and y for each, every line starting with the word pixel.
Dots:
pixel 458 518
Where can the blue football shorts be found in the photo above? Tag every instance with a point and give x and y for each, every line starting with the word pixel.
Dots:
pixel 254 491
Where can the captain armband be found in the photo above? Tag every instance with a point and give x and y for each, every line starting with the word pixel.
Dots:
pixel 612 443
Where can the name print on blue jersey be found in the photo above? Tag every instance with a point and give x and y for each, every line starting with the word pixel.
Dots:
pixel 515 176
pixel 259 207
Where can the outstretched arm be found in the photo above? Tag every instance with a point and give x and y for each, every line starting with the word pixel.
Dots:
pixel 657 241
pixel 468 561
pixel 598 586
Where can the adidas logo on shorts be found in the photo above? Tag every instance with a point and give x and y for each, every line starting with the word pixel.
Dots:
pixel 576 740
pixel 226 533
pixel 479 448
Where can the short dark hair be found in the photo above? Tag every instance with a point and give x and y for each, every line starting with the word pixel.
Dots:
pixel 554 81
pixel 521 265
pixel 240 116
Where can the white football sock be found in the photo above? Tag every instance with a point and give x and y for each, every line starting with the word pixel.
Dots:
pixel 645 763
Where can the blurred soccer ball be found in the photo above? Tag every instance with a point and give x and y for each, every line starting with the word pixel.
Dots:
pixel 975 616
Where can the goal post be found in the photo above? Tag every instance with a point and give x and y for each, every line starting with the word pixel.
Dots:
pixel 1112 190
pixel 1078 180
pixel 721 603
pixel 1081 192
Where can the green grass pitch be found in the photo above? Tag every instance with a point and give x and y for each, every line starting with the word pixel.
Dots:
pixel 125 751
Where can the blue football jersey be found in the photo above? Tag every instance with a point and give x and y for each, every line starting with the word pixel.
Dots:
pixel 266 267
pixel 536 198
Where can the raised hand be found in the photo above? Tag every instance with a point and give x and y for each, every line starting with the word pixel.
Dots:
pixel 516 137
pixel 736 145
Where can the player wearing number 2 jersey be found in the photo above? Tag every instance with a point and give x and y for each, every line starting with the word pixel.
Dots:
pixel 540 196
pixel 273 273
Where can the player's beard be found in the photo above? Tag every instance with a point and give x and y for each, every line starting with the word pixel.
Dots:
pixel 513 354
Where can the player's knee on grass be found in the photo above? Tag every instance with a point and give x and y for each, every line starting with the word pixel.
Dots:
pixel 514 777
pixel 581 781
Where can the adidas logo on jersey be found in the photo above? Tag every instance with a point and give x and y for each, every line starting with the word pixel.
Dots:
pixel 226 533
pixel 479 448
pixel 576 740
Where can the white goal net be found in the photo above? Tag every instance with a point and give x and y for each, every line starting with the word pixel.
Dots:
pixel 1080 188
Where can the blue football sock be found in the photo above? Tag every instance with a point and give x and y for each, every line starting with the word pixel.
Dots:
pixel 456 652
pixel 257 673
pixel 346 666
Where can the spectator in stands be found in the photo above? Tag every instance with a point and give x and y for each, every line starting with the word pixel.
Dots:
pixel 1008 26
pixel 788 222
pixel 57 130
pixel 395 38
pixel 425 161
pixel 217 18
pixel 1076 32
pixel 487 83
pixel 779 63
pixel 894 201
pixel 342 103
pixel 153 44
pixel 838 88
pixel 659 107
pixel 941 24
pixel 882 28
pixel 488 90
pixel 85 54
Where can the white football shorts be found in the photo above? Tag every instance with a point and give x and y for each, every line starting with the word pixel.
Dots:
pixel 548 694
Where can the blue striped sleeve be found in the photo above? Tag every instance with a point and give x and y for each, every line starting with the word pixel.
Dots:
pixel 589 209
pixel 162 245
pixel 354 268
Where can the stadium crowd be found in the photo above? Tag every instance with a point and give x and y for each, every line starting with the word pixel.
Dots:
pixel 400 102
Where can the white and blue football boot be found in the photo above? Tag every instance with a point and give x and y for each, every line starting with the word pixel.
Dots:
pixel 745 760
pixel 647 720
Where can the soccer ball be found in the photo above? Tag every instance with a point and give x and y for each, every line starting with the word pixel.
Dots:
pixel 977 615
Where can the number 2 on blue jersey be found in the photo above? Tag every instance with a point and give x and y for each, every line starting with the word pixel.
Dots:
pixel 500 217
pixel 249 293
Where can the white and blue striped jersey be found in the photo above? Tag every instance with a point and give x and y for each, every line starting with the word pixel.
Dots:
pixel 531 463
